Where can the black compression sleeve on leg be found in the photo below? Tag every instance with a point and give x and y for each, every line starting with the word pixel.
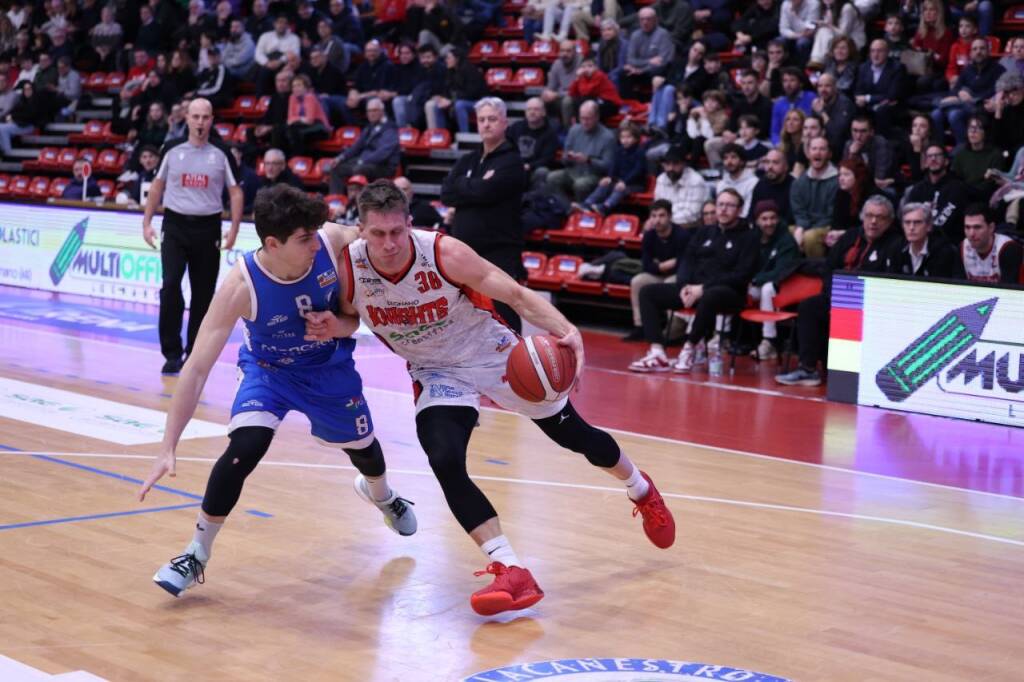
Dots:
pixel 246 449
pixel 444 434
pixel 369 460
pixel 571 431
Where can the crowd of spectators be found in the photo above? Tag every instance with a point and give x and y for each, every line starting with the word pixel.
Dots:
pixel 849 134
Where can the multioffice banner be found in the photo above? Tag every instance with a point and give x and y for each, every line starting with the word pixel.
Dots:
pixel 93 252
pixel 954 350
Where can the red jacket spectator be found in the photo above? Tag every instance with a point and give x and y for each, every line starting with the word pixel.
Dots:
pixel 595 86
pixel 309 106
pixel 939 47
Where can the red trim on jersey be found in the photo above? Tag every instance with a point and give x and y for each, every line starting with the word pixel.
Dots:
pixel 483 302
pixel 417 391
pixel 440 264
pixel 400 275
pixel 350 293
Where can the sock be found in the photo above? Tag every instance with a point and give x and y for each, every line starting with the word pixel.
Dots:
pixel 499 549
pixel 379 488
pixel 206 532
pixel 636 485
pixel 657 348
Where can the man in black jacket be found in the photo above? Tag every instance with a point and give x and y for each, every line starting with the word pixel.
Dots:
pixel 862 250
pixel 486 190
pixel 922 252
pixel 712 279
pixel 535 139
pixel 946 194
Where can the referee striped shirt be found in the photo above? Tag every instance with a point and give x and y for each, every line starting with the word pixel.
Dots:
pixel 195 176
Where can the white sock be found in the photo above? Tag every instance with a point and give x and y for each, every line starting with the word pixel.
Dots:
pixel 658 348
pixel 379 488
pixel 206 532
pixel 636 485
pixel 499 549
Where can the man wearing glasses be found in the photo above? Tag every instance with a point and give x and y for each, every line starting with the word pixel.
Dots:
pixel 712 279
pixel 946 194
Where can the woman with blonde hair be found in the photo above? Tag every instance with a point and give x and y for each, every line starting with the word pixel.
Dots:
pixel 791 137
pixel 934 37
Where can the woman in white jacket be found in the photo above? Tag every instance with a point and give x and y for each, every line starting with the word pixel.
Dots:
pixel 838 18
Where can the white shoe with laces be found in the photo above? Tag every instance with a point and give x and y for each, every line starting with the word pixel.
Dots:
pixel 684 363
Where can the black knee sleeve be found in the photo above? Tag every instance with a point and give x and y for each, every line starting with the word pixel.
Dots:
pixel 369 461
pixel 444 434
pixel 571 431
pixel 246 449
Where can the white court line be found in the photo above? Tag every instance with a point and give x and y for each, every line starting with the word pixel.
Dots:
pixel 662 439
pixel 577 486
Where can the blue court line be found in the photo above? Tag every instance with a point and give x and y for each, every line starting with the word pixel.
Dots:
pixel 90 517
pixel 262 515
pixel 120 477
pixel 496 461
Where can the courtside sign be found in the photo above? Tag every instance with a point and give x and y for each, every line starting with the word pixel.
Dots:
pixel 953 350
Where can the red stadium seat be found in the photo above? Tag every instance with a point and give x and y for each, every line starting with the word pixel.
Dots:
pixel 484 51
pixel 544 50
pixel 225 130
pixel 1013 19
pixel 262 104
pixel 66 159
pixel 792 290
pixel 244 106
pixel 580 224
pixel 240 130
pixel 348 135
pixel 111 161
pixel 498 77
pixel 336 202
pixel 534 263
pixel 5 184
pixel 92 134
pixel 40 187
pixel 109 136
pixel 115 80
pixel 615 230
pixel 302 166
pixel 88 154
pixel 95 82
pixel 516 51
pixel 47 160
pixel 408 138
pixel 20 186
pixel 436 138
pixel 530 77
pixel 107 188
pixel 57 187
pixel 320 169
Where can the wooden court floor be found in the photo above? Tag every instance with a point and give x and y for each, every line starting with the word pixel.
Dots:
pixel 794 570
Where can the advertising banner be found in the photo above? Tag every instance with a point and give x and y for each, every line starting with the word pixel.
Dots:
pixel 91 252
pixel 954 350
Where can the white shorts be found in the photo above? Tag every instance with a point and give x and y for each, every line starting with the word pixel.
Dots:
pixel 463 386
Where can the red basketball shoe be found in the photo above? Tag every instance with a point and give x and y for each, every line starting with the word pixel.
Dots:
pixel 658 522
pixel 513 589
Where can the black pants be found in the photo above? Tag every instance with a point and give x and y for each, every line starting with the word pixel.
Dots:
pixel 192 242
pixel 509 261
pixel 813 316
pixel 655 299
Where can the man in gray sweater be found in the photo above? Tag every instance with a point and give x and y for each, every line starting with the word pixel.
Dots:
pixel 589 151
pixel 560 76
pixel 650 52
pixel 812 199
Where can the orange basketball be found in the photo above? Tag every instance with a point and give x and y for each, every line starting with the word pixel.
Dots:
pixel 539 370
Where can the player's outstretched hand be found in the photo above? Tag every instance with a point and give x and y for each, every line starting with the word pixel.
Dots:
pixel 164 464
pixel 575 341
pixel 322 325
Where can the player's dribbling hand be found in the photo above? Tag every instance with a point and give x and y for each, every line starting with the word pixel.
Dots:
pixel 322 325
pixel 164 464
pixel 575 341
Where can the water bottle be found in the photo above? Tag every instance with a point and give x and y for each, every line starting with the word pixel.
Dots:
pixel 715 365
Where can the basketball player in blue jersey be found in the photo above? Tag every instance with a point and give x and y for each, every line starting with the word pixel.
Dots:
pixel 427 297
pixel 272 289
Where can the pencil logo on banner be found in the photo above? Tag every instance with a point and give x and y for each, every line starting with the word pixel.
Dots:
pixel 934 350
pixel 68 250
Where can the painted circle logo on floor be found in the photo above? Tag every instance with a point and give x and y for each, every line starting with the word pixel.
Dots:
pixel 620 670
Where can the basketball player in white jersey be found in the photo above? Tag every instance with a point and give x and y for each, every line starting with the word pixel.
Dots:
pixel 427 296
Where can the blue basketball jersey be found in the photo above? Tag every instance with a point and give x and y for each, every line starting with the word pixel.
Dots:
pixel 274 334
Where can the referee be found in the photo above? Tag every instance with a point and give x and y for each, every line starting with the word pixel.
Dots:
pixel 194 172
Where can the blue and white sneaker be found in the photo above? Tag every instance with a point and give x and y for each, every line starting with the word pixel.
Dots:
pixel 184 571
pixel 398 514
pixel 800 377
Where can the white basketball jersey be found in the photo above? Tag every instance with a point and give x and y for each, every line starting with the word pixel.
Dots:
pixel 985 269
pixel 422 315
